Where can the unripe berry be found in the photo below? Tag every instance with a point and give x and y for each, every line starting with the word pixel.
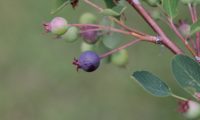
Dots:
pixel 155 14
pixel 88 61
pixel 190 109
pixel 87 47
pixel 120 58
pixel 57 26
pixel 88 35
pixel 71 35
pixel 184 28
pixel 88 18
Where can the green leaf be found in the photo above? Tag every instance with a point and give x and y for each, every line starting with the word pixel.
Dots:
pixel 115 11
pixel 195 27
pixel 110 3
pixel 60 4
pixel 152 84
pixel 170 6
pixel 112 40
pixel 187 73
pixel 110 12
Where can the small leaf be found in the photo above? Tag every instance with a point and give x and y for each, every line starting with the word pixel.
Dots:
pixel 119 9
pixel 60 4
pixel 187 73
pixel 112 40
pixel 152 84
pixel 110 12
pixel 195 27
pixel 110 3
pixel 170 6
pixel 115 11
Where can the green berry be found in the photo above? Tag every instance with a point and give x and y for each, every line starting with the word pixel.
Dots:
pixel 87 47
pixel 88 18
pixel 58 26
pixel 155 14
pixel 120 58
pixel 71 35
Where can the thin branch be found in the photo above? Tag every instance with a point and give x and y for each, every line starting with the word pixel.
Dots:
pixel 165 40
pixel 193 13
pixel 101 27
pixel 120 48
pixel 120 23
pixel 185 42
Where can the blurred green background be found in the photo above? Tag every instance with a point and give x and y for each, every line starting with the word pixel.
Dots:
pixel 38 81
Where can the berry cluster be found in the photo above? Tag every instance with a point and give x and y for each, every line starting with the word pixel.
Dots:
pixel 100 40
pixel 91 45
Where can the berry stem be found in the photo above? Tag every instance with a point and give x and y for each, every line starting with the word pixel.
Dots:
pixel 60 8
pixel 120 48
pixel 179 97
pixel 193 13
pixel 120 23
pixel 101 27
pixel 185 42
pixel 165 40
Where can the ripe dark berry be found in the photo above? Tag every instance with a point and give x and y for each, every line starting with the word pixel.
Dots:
pixel 89 61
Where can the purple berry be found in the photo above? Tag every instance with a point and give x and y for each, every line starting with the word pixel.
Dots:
pixel 89 61
pixel 184 28
pixel 88 35
pixel 57 26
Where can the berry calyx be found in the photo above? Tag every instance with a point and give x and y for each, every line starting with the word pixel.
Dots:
pixel 88 61
pixel 57 26
pixel 190 109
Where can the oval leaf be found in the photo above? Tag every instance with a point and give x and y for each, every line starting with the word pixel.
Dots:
pixel 170 6
pixel 112 40
pixel 187 73
pixel 110 3
pixel 195 27
pixel 110 12
pixel 152 84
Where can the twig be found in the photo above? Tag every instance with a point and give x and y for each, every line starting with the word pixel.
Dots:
pixel 101 27
pixel 185 42
pixel 165 40
pixel 120 48
pixel 115 20
pixel 193 13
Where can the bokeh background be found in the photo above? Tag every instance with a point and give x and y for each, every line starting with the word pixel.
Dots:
pixel 38 81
